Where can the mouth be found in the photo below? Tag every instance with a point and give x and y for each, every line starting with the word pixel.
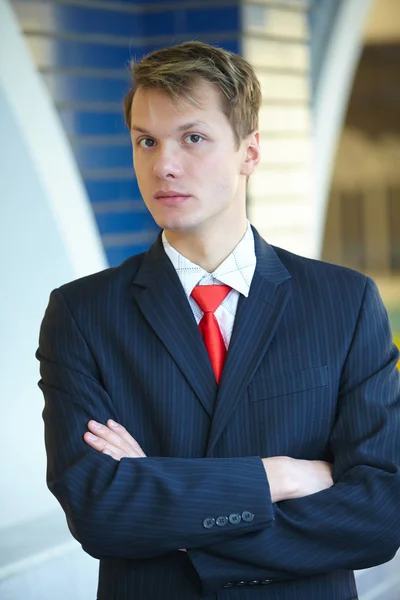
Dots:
pixel 170 198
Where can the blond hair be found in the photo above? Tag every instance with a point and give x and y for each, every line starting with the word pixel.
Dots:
pixel 177 70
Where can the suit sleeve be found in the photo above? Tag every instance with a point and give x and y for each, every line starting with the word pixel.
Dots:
pixel 135 508
pixel 356 523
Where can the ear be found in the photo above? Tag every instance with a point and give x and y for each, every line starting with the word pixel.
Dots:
pixel 251 153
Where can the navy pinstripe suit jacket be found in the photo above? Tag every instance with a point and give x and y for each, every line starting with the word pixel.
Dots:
pixel 310 373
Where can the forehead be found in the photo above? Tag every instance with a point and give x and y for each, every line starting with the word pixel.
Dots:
pixel 155 106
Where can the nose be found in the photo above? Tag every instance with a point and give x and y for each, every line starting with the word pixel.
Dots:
pixel 167 164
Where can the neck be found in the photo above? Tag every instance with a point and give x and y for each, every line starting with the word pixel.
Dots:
pixel 207 249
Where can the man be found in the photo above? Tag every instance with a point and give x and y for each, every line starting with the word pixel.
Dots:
pixel 266 472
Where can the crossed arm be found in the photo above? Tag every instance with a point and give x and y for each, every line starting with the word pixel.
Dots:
pixel 288 478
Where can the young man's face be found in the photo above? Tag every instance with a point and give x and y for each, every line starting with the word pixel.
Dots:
pixel 190 172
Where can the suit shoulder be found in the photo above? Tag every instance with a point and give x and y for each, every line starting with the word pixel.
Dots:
pixel 323 273
pixel 103 282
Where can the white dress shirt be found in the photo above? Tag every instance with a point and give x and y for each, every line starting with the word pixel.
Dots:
pixel 237 271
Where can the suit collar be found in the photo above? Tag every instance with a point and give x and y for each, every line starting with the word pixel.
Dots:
pixel 155 263
pixel 269 265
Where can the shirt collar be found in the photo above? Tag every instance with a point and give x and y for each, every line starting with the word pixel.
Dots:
pixel 237 270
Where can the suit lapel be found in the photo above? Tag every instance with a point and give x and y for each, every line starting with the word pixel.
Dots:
pixel 160 297
pixel 256 321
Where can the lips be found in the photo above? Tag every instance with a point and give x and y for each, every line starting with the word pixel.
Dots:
pixel 170 198
pixel 169 194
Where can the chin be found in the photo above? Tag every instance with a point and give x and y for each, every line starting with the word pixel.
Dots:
pixel 176 222
pixel 174 225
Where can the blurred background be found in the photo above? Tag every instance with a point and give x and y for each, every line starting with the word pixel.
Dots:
pixel 328 187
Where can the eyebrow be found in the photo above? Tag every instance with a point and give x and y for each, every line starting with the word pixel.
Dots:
pixel 183 127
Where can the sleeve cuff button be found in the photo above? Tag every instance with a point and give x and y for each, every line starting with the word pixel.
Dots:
pixel 208 523
pixel 235 518
pixel 247 516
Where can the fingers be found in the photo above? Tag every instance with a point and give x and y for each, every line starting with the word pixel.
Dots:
pixel 126 436
pixel 111 437
pixel 102 446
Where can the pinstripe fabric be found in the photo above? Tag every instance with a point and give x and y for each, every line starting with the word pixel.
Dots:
pixel 310 373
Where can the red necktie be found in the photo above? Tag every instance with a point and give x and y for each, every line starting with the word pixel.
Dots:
pixel 209 297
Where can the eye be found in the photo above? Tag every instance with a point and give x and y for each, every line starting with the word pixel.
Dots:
pixel 193 138
pixel 146 143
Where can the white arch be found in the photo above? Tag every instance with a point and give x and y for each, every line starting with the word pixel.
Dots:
pixel 47 237
pixel 40 130
pixel 331 99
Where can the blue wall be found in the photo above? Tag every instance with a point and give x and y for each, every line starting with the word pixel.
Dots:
pixel 83 52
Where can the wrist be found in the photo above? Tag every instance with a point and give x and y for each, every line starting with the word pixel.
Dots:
pixel 279 471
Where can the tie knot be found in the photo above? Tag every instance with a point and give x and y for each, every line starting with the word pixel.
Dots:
pixel 209 297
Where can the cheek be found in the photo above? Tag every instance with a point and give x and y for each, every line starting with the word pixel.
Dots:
pixel 225 176
pixel 216 167
pixel 142 170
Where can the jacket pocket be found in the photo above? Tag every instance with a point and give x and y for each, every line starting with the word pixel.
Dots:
pixel 263 388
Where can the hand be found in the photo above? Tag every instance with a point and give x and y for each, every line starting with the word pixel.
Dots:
pixel 112 439
pixel 115 441
pixel 291 478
